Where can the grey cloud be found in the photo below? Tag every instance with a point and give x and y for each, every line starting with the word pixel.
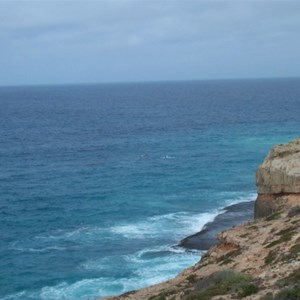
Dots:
pixel 36 31
pixel 147 40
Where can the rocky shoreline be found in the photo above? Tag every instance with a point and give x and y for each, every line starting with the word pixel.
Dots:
pixel 230 216
pixel 259 259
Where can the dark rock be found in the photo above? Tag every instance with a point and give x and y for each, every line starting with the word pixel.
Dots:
pixel 233 215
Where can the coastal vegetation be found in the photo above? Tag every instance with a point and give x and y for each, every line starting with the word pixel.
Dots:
pixel 221 283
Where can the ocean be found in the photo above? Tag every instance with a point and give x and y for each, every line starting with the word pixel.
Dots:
pixel 99 183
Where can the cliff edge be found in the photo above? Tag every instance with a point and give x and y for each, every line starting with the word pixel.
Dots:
pixel 278 179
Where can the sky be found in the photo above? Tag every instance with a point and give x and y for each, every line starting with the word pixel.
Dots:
pixel 58 42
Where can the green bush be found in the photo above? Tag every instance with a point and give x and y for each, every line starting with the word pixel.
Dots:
pixel 273 216
pixel 294 211
pixel 288 294
pixel 285 236
pixel 293 253
pixel 222 283
pixel 248 289
pixel 228 258
pixel 191 278
pixel 268 296
pixel 270 257
pixel 293 278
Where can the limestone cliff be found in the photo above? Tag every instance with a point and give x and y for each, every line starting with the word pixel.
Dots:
pixel 278 179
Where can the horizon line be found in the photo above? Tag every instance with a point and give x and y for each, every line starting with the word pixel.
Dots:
pixel 145 81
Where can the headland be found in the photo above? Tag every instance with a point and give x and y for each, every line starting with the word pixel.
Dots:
pixel 258 260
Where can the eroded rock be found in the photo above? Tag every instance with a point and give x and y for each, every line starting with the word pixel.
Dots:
pixel 278 179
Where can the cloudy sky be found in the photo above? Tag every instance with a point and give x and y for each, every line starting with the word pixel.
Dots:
pixel 45 42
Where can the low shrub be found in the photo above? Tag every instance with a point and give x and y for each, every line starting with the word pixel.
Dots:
pixel 222 283
pixel 228 258
pixel 248 289
pixel 288 294
pixel 293 278
pixel 274 216
pixel 294 211
pixel 270 257
pixel 293 253
pixel 285 236
pixel 191 278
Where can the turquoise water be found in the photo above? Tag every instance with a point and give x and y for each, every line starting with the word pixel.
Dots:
pixel 99 183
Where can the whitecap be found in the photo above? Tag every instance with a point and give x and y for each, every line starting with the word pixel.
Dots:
pixel 29 249
pixel 84 234
pixel 168 157
pixel 238 197
pixel 83 289
pixel 158 268
pixel 15 296
pixel 175 226
pixel 133 231
pixel 92 289
pixel 148 266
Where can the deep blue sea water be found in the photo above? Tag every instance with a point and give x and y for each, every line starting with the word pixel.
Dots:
pixel 99 183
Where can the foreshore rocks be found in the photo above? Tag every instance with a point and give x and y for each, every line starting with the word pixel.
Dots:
pixel 278 179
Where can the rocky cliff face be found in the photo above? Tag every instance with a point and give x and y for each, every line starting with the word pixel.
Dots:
pixel 278 179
